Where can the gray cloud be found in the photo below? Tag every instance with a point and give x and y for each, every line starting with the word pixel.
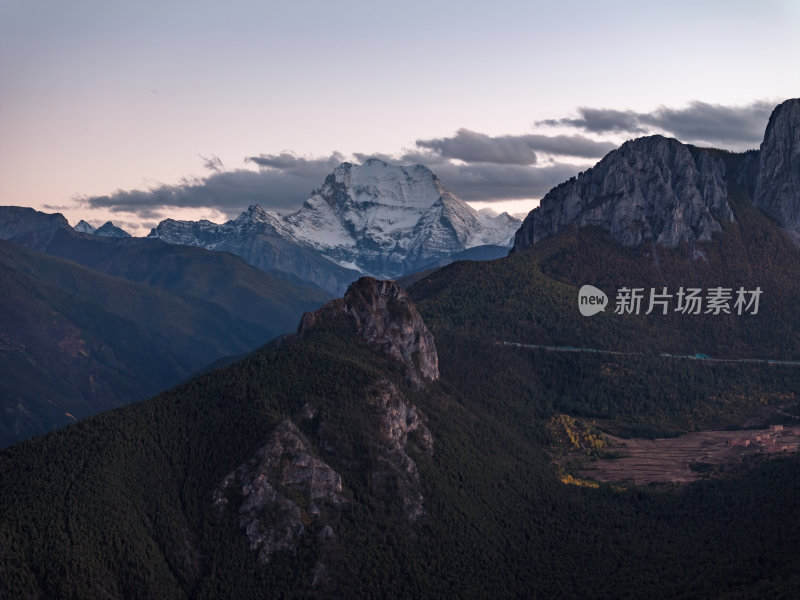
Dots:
pixel 213 163
pixel 601 120
pixel 714 123
pixel 405 159
pixel 485 181
pixel 297 165
pixel 732 127
pixel 230 192
pixel 489 182
pixel 282 182
pixel 497 168
pixel 471 147
pixel 58 207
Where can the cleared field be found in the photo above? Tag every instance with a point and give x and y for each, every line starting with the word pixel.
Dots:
pixel 688 457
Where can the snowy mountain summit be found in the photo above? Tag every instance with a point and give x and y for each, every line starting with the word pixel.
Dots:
pixel 375 219
pixel 107 229
pixel 84 227
pixel 387 220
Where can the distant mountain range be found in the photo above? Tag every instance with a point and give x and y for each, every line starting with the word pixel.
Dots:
pixel 372 219
pixel 91 322
pixel 107 229
pixel 380 218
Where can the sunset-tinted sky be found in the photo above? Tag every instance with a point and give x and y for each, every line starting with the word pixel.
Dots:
pixel 138 111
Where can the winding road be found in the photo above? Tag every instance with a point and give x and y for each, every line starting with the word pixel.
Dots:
pixel 703 357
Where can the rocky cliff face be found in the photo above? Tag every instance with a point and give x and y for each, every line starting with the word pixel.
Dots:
pixel 651 189
pixel 383 314
pixel 285 495
pixel 281 491
pixel 395 418
pixel 777 188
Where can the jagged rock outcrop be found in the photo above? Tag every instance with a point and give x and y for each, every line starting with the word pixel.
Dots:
pixel 283 490
pixel 396 418
pixel 652 189
pixel 286 492
pixel 777 188
pixel 383 314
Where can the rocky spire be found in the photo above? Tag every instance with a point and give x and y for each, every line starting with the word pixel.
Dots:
pixel 777 190
pixel 383 314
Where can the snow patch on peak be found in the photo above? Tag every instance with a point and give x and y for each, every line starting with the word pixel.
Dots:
pixel 253 214
pixel 84 227
pixel 108 229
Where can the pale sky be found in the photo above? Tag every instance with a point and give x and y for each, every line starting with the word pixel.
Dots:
pixel 134 111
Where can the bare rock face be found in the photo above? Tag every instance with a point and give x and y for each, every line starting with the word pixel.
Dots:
pixel 394 470
pixel 651 189
pixel 283 490
pixel 777 190
pixel 284 494
pixel 385 317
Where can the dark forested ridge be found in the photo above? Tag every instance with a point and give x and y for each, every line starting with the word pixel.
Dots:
pixel 127 504
pixel 268 303
pixel 532 297
pixel 120 504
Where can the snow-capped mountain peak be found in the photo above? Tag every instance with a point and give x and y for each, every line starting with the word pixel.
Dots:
pixel 107 229
pixel 84 227
pixel 389 220
pixel 375 218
